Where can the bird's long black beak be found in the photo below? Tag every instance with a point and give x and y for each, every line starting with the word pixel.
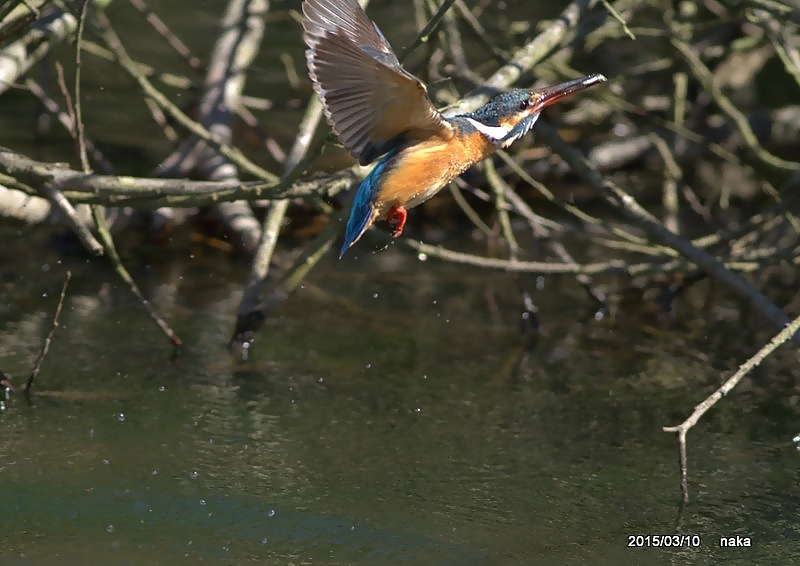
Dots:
pixel 551 94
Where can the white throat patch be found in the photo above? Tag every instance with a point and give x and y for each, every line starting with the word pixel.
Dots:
pixel 520 132
pixel 494 133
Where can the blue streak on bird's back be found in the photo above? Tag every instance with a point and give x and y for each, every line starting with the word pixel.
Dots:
pixel 361 211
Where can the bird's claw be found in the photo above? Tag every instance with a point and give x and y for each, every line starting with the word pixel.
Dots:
pixel 397 214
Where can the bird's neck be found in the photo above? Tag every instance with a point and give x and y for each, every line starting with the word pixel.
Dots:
pixel 469 125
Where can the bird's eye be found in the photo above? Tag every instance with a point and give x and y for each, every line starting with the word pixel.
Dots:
pixel 524 104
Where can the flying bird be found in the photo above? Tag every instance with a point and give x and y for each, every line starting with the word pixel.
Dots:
pixel 381 112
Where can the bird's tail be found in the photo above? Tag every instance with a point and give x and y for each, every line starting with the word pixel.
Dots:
pixel 362 215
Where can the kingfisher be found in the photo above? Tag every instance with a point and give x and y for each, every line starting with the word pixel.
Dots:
pixel 379 111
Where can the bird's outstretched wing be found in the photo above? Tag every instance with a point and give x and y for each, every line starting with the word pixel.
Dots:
pixel 368 98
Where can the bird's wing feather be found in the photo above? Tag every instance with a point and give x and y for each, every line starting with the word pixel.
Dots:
pixel 368 98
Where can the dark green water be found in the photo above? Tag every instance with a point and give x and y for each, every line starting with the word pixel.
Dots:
pixel 385 416
pixel 388 414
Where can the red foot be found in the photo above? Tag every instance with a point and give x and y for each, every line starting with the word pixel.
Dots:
pixel 399 214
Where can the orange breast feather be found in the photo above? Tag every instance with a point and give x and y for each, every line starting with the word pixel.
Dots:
pixel 425 168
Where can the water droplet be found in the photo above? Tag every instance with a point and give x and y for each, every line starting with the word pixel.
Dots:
pixel 422 256
pixel 193 475
pixel 369 366
pixel 598 316
pixel 271 513
pixel 375 295
pixel 226 549
pixel 621 130
pixel 162 388
pixel 110 529
pixel 202 502
pixel 44 295
pixel 424 377
pixel 154 473
pixel 418 411
pixel 121 417
pixel 264 540
pixel 320 380
pixel 105 461
pixel 91 433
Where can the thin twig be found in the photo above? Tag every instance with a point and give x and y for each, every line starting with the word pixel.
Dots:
pixel 786 50
pixel 468 211
pixel 569 207
pixel 247 324
pixel 782 337
pixel 619 18
pixel 524 59
pixel 303 147
pixel 111 251
pixel 122 57
pixel 556 246
pixel 627 205
pixel 425 35
pixel 98 211
pixel 478 29
pixel 78 118
pixel 66 121
pixel 499 188
pixel 162 28
pixel 46 346
pixel 706 78
pixel 62 203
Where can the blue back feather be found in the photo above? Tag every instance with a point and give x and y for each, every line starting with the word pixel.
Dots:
pixel 361 211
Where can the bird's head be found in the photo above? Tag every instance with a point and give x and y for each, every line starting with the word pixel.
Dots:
pixel 510 115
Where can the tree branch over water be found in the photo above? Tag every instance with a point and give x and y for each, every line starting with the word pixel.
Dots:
pixel 30 176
